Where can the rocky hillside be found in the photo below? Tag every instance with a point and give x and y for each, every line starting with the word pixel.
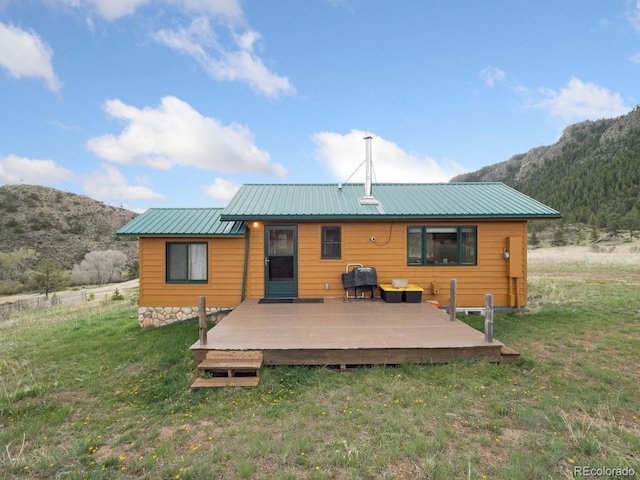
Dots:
pixel 591 174
pixel 60 225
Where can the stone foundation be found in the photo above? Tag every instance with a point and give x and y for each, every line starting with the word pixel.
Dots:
pixel 159 316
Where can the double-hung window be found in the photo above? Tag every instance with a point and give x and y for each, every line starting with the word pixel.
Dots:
pixel 187 262
pixel 331 242
pixel 442 245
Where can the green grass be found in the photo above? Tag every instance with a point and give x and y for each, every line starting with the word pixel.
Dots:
pixel 91 395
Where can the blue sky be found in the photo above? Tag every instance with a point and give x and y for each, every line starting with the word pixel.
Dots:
pixel 175 103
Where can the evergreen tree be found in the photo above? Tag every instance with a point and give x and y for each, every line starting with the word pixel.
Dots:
pixel 559 237
pixel 534 241
pixel 48 276
pixel 134 270
pixel 614 224
pixel 631 222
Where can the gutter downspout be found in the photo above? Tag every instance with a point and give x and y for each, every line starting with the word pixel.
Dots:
pixel 246 264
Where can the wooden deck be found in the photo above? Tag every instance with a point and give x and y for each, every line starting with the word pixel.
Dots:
pixel 356 332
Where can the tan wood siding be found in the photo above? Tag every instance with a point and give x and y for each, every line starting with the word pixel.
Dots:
pixel 223 287
pixel 388 255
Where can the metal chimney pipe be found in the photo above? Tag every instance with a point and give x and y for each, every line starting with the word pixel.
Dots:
pixel 369 163
pixel 368 198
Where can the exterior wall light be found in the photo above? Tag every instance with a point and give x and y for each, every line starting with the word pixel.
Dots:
pixel 505 254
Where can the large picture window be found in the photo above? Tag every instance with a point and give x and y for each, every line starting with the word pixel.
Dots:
pixel 187 262
pixel 441 246
pixel 331 242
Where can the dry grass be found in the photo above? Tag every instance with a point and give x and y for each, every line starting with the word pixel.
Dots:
pixel 617 263
pixel 20 321
pixel 551 268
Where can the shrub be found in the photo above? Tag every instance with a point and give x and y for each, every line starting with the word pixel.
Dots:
pixel 11 287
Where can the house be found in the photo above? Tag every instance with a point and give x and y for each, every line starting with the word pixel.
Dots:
pixel 296 240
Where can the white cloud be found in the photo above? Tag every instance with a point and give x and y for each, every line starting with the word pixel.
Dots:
pixel 111 183
pixel 633 14
pixel 230 9
pixel 230 59
pixel 113 9
pixel 635 58
pixel 222 190
pixel 174 134
pixel 237 62
pixel 580 101
pixel 343 154
pixel 190 41
pixel 492 75
pixel 24 54
pixel 14 169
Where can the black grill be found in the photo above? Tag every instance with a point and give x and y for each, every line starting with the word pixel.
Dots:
pixel 360 280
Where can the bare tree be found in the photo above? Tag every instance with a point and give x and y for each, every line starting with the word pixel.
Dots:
pixel 14 265
pixel 100 267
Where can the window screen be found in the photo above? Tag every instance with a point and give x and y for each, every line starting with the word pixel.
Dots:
pixel 187 262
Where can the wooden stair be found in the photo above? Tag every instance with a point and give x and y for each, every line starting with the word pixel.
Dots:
pixel 229 368
pixel 508 355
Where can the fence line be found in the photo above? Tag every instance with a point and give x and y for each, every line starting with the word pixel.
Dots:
pixel 55 300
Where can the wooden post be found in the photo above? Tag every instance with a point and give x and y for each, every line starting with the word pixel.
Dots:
pixel 452 300
pixel 488 318
pixel 202 319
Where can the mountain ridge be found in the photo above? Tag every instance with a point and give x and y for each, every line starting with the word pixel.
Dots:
pixel 591 174
pixel 60 225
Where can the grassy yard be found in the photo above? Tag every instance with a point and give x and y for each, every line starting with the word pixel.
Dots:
pixel 88 394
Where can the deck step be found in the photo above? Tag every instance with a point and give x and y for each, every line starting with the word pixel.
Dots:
pixel 234 364
pixel 235 354
pixel 508 355
pixel 225 382
pixel 226 368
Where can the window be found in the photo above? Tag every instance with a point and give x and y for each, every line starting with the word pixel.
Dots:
pixel 331 242
pixel 441 246
pixel 187 262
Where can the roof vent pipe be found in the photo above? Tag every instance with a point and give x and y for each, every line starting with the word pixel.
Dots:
pixel 368 198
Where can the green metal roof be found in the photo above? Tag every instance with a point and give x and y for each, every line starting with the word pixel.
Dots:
pixel 407 200
pixel 182 221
